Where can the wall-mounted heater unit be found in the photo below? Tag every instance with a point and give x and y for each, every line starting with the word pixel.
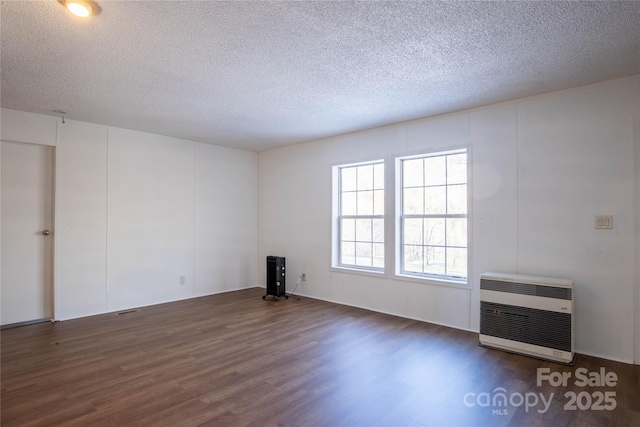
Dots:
pixel 527 315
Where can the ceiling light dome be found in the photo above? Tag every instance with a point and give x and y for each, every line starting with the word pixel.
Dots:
pixel 79 7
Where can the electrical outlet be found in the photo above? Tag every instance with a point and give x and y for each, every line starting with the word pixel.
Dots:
pixel 304 277
pixel 183 280
pixel 604 222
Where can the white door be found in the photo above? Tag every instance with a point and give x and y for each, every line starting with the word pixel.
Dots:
pixel 26 224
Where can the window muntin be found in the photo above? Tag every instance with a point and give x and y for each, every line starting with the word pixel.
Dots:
pixel 433 216
pixel 361 216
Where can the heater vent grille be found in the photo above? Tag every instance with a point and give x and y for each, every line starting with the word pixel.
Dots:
pixel 528 325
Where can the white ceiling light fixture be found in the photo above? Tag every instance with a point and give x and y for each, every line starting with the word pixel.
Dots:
pixel 81 8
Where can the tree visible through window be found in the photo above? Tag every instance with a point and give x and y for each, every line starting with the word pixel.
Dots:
pixel 361 216
pixel 434 215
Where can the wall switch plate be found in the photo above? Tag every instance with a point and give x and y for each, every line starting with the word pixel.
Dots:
pixel 604 222
pixel 183 280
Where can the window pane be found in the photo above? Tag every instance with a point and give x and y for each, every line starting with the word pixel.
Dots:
pixel 378 176
pixel 457 262
pixel 348 204
pixel 348 228
pixel 457 169
pixel 433 240
pixel 434 260
pixel 435 170
pixel 457 199
pixel 435 200
pixel 348 179
pixel 378 230
pixel 413 231
pixel 365 202
pixel 378 202
pixel 457 232
pixel 348 253
pixel 365 177
pixel 413 258
pixel 364 254
pixel 412 173
pixel 413 201
pixel 363 230
pixel 434 231
pixel 378 255
pixel 361 198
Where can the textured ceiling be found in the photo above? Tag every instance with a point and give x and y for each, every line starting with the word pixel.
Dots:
pixel 257 75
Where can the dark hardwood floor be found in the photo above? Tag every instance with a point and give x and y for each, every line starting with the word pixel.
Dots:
pixel 234 359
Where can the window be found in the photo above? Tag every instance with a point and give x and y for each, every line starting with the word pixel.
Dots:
pixel 360 219
pixel 433 217
pixel 426 210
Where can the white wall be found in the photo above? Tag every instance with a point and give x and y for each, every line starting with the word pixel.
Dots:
pixel 151 219
pixel 135 211
pixel 81 220
pixel 19 126
pixel 575 160
pixel 226 193
pixel 542 168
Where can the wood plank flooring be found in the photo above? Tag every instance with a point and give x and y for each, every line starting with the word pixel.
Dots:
pixel 234 360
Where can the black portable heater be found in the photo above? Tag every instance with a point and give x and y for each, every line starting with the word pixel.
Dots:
pixel 276 278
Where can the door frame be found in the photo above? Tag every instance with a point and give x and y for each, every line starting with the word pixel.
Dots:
pixel 636 208
pixel 54 245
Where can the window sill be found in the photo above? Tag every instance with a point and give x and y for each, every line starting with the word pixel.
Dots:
pixel 433 281
pixel 404 277
pixel 348 270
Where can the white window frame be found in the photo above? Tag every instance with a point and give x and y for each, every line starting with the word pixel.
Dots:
pixel 399 223
pixel 336 221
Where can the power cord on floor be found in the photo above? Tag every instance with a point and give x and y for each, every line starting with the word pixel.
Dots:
pixel 294 289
